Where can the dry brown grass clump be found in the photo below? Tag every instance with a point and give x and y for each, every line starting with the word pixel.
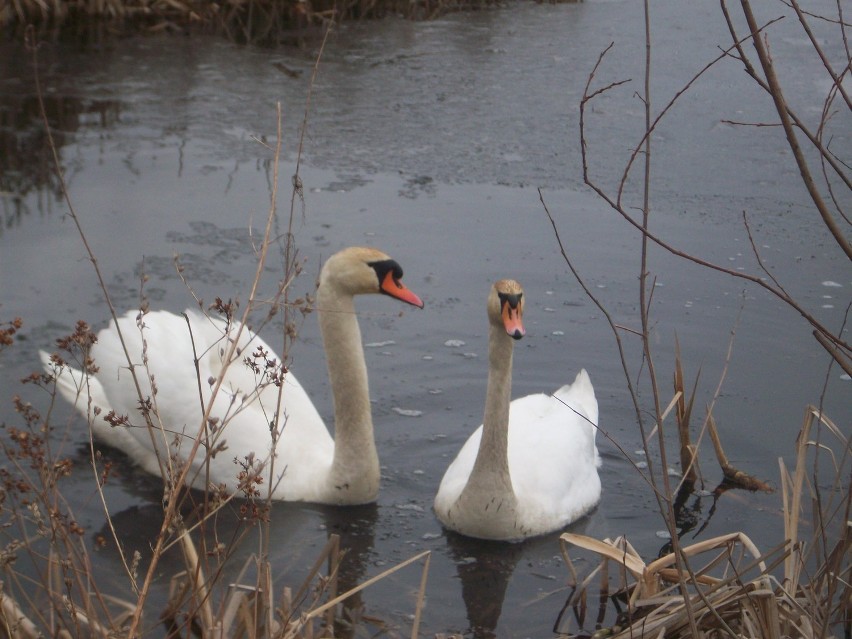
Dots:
pixel 250 21
pixel 728 587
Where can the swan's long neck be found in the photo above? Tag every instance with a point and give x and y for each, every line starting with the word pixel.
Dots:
pixel 490 472
pixel 355 469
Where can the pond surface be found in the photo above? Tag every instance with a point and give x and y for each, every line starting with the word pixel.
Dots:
pixel 430 141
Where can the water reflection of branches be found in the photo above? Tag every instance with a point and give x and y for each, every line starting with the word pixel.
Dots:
pixel 25 155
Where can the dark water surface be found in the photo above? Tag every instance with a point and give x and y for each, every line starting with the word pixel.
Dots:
pixel 429 141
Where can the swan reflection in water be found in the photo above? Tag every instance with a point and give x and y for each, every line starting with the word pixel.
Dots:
pixel 487 570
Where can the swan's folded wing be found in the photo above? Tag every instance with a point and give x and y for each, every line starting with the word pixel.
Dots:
pixel 552 459
pixel 457 473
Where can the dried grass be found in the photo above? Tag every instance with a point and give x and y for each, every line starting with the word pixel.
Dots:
pixel 732 586
pixel 248 610
pixel 249 21
pixel 725 586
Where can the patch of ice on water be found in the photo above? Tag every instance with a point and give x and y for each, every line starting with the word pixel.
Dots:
pixel 414 507
pixel 407 412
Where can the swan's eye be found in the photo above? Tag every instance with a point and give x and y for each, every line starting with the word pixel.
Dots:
pixel 385 267
pixel 512 299
pixel 389 274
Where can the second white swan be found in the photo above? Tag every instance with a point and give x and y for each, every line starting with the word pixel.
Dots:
pixel 306 464
pixel 531 468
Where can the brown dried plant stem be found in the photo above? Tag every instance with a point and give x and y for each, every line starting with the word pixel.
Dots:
pixel 178 478
pixel 839 356
pixel 229 357
pixel 688 451
pixel 666 505
pixel 172 504
pixel 730 472
pixel 654 609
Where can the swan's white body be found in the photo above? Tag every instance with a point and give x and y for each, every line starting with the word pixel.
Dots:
pixel 306 464
pixel 531 468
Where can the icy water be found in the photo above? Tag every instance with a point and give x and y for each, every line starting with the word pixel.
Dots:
pixel 431 141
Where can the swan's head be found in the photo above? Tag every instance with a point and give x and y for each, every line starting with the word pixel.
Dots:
pixel 506 307
pixel 359 271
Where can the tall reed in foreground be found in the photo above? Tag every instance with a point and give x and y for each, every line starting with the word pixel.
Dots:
pixel 726 586
pixel 50 587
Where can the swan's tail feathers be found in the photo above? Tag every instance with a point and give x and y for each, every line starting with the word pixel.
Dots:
pixel 76 387
pixel 582 384
pixel 580 395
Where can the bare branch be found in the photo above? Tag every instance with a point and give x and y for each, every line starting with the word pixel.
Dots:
pixel 781 107
pixel 838 81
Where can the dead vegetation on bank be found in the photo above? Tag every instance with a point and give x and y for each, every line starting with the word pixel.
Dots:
pixel 728 586
pixel 249 21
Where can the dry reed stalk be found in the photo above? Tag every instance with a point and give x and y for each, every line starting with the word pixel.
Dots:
pixel 833 567
pixel 732 474
pixel 191 590
pixel 721 590
pixel 426 555
pixel 244 612
pixel 654 600
pixel 247 610
pixel 688 452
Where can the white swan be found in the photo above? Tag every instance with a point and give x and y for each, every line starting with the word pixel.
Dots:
pixel 531 468
pixel 308 465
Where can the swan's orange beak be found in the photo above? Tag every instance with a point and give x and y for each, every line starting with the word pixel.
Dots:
pixel 512 321
pixel 395 288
